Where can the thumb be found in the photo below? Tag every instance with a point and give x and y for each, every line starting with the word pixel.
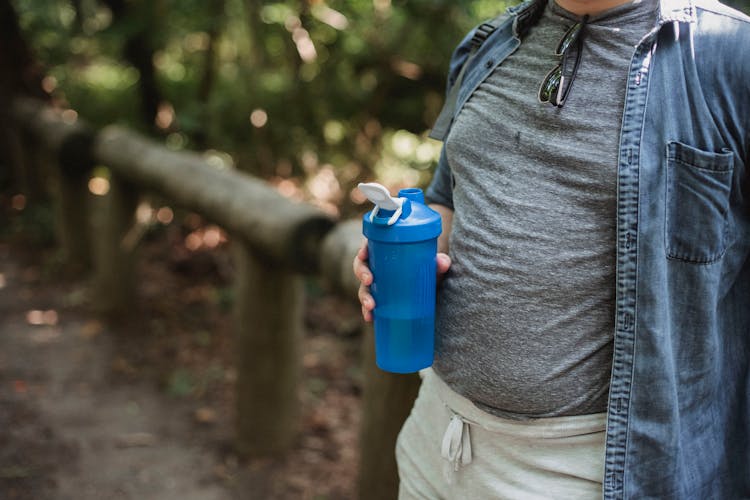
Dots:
pixel 443 263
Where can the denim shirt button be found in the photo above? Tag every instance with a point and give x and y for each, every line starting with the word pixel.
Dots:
pixel 489 63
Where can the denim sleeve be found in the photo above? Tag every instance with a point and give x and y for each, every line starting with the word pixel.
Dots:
pixel 458 58
pixel 440 189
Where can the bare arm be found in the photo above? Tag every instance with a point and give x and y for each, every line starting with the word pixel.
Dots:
pixel 363 274
pixel 447 216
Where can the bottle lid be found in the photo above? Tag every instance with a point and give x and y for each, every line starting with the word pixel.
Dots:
pixel 399 219
pixel 379 195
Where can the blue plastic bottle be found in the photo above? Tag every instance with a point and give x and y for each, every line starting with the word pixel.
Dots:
pixel 402 237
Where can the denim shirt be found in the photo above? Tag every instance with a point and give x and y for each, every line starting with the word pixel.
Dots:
pixel 678 420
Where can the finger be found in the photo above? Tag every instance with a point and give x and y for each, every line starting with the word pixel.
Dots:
pixel 443 263
pixel 355 265
pixel 362 272
pixel 365 298
pixel 362 252
pixel 366 315
pixel 365 276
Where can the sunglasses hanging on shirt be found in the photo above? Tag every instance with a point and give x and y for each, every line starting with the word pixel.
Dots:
pixel 556 85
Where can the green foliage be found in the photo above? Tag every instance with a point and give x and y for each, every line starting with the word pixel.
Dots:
pixel 743 5
pixel 223 297
pixel 332 79
pixel 339 86
pixel 34 225
pixel 181 383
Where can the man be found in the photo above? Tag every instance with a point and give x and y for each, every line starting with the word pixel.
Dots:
pixel 593 321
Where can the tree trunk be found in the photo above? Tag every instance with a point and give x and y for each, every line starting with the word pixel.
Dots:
pixel 138 51
pixel 19 72
pixel 19 75
pixel 209 73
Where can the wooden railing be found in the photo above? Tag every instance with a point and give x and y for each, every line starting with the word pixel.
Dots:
pixel 275 243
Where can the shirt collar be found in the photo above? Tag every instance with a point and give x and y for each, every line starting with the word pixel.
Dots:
pixel 677 10
pixel 528 13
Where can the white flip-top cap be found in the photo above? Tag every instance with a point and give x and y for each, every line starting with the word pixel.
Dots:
pixel 381 197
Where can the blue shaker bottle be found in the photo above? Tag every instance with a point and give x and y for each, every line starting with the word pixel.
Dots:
pixel 402 237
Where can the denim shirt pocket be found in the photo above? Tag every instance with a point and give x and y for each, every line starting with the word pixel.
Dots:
pixel 698 188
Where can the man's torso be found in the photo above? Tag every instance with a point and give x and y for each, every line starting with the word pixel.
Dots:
pixel 525 317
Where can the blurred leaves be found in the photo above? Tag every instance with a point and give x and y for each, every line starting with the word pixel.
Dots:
pixel 743 5
pixel 180 383
pixel 34 223
pixel 334 79
pixel 289 89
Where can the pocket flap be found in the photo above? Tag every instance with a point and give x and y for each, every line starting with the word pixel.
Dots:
pixel 699 185
pixel 719 162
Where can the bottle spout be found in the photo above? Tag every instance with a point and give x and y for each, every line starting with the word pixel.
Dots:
pixel 415 195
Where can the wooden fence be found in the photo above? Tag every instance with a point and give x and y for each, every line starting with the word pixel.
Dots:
pixel 275 243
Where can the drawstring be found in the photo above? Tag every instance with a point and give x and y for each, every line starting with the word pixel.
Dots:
pixel 456 446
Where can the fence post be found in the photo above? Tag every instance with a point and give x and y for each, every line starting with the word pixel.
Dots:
pixel 17 158
pixel 30 169
pixel 113 261
pixel 268 307
pixel 46 145
pixel 387 399
pixel 73 222
pixel 74 162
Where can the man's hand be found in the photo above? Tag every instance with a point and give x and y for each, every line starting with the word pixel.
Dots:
pixel 364 275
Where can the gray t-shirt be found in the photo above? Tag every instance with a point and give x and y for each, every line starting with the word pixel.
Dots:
pixel 525 317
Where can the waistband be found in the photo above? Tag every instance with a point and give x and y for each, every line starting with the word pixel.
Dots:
pixel 541 428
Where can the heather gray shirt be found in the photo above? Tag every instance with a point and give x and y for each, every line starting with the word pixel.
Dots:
pixel 526 314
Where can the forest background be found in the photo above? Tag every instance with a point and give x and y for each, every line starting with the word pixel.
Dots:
pixel 313 96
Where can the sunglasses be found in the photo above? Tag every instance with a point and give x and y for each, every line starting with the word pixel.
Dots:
pixel 556 85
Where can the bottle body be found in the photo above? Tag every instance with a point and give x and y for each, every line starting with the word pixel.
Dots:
pixel 402 236
pixel 404 291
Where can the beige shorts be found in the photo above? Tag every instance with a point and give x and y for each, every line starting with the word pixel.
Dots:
pixel 450 449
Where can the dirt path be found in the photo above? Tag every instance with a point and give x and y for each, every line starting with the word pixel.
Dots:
pixel 67 431
pixel 144 410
